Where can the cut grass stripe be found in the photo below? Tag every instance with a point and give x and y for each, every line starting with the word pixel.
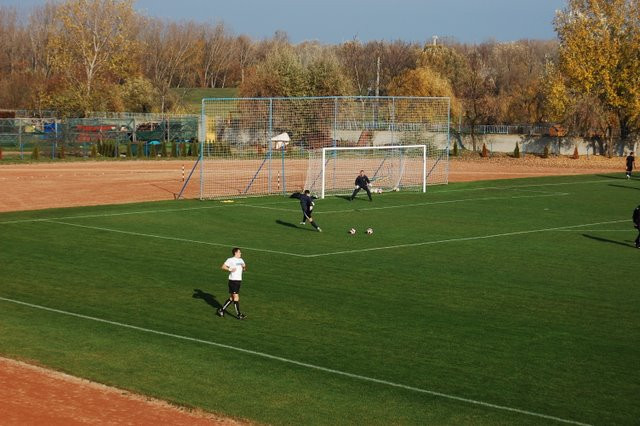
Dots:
pixel 301 364
pixel 333 253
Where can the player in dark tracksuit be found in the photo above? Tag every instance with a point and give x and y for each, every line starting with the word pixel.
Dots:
pixel 630 162
pixel 362 182
pixel 636 224
pixel 306 204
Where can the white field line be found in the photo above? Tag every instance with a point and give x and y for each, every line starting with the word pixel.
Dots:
pixel 535 185
pixel 89 216
pixel 401 206
pixel 424 243
pixel 184 240
pixel 299 363
pixel 455 240
pixel 286 202
pixel 597 230
pixel 93 216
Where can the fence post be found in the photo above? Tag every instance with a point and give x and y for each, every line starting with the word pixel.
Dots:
pixel 20 139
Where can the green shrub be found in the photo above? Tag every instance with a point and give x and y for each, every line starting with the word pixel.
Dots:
pixel 163 150
pixel 129 150
pixel 35 154
pixel 545 153
pixel 183 149
pixel 455 148
pixel 516 151
pixel 94 151
pixel 140 150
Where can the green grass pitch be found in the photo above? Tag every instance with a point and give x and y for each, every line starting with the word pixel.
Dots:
pixel 501 302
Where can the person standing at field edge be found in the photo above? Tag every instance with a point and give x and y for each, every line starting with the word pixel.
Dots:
pixel 362 182
pixel 630 163
pixel 235 265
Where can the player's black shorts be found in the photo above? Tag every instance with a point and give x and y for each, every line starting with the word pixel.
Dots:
pixel 307 213
pixel 234 286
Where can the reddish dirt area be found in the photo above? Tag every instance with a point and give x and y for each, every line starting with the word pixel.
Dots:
pixel 32 395
pixel 71 184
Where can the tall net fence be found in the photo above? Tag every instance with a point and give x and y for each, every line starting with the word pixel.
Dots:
pixel 266 145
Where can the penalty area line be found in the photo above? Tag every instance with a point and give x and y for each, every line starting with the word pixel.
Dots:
pixel 183 240
pixel 455 240
pixel 299 363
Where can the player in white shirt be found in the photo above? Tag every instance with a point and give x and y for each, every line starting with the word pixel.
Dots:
pixel 235 265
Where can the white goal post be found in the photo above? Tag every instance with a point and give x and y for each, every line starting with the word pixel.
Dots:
pixel 333 170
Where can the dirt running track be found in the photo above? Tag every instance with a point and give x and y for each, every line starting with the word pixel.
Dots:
pixel 32 395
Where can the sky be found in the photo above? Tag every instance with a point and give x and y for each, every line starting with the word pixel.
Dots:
pixel 336 21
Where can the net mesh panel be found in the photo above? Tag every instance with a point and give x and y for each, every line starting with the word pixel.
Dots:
pixel 241 155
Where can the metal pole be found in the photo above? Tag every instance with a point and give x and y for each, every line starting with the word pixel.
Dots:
pixel 20 139
pixel 269 136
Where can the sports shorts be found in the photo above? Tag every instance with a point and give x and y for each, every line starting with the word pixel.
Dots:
pixel 234 286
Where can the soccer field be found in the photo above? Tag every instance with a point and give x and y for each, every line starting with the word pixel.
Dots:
pixel 495 302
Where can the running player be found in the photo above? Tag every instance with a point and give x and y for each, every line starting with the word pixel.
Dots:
pixel 306 204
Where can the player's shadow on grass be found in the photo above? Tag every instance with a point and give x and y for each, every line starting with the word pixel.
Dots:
pixel 209 298
pixel 623 177
pixel 623 186
pixel 606 240
pixel 293 225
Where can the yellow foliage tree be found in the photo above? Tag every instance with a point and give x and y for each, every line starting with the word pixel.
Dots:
pixel 424 81
pixel 599 58
pixel 93 47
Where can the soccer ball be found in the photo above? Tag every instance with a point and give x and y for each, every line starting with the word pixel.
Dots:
pixel 396 189
pixel 369 231
pixel 352 231
pixel 378 191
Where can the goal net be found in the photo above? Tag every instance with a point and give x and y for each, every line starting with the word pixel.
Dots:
pixel 259 146
pixel 332 171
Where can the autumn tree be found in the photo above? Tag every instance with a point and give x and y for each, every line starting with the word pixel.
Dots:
pixel 93 47
pixel 477 90
pixel 599 57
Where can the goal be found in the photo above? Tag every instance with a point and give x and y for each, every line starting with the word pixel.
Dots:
pixel 259 146
pixel 332 171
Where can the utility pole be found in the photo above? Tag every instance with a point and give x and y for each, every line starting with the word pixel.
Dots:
pixel 378 78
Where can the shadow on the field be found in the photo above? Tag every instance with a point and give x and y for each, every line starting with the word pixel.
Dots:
pixel 606 240
pixel 624 186
pixel 346 197
pixel 293 225
pixel 620 177
pixel 209 298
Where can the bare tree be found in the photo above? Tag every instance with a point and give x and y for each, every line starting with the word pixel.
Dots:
pixel 168 47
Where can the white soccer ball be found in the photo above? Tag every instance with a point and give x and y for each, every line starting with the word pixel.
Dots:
pixel 379 190
pixel 352 231
pixel 396 189
pixel 369 231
